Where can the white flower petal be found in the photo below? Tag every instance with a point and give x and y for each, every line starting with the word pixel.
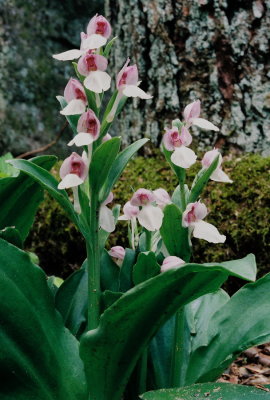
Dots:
pixel 183 157
pixel 94 41
pixel 206 231
pixel 98 81
pixel 219 176
pixel 106 219
pixel 123 218
pixel 69 181
pixel 150 217
pixel 74 107
pixel 135 91
pixel 204 124
pixel 68 55
pixel 82 139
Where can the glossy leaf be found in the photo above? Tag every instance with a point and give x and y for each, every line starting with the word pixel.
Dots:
pixel 37 353
pixel 5 168
pixel 174 235
pixel 201 180
pixel 20 196
pixel 120 163
pixel 213 391
pixel 125 277
pixel 12 235
pixel 71 301
pixel 145 268
pixel 135 318
pixel 48 182
pixel 109 273
pixel 101 163
pixel 176 197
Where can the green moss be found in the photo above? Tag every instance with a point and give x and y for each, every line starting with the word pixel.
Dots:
pixel 240 211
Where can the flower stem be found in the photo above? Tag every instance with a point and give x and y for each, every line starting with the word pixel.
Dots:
pixel 148 240
pixel 93 262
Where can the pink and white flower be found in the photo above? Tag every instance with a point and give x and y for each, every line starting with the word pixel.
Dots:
pixel 171 262
pixel 149 216
pixel 162 197
pixel 182 156
pixel 73 171
pixel 218 175
pixel 98 31
pixel 106 218
pixel 88 128
pixel 193 219
pixel 191 115
pixel 93 66
pixel 75 97
pixel 127 84
pixel 118 254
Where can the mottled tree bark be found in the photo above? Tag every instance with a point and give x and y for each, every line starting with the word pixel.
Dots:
pixel 212 50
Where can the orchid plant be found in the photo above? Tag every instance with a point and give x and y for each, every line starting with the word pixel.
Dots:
pixel 131 319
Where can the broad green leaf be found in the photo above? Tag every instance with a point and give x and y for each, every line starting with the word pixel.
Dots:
pixel 135 318
pixel 125 277
pixel 244 319
pixel 120 163
pixel 12 235
pixel 20 196
pixel 145 268
pixel 109 273
pixel 48 182
pixel 109 297
pixel 102 161
pixel 72 119
pixel 174 235
pixel 71 301
pixel 39 358
pixel 201 180
pixel 176 197
pixel 211 391
pixel 5 168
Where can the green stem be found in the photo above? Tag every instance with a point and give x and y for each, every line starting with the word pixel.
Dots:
pixel 143 372
pixel 182 190
pixel 148 240
pixel 93 262
pixel 178 348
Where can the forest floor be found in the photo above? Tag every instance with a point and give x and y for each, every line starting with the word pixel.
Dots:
pixel 252 367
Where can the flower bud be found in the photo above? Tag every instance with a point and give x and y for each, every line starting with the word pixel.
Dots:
pixel 142 197
pixel 100 26
pixel 192 110
pixel 171 262
pixel 91 62
pixel 117 252
pixel 74 90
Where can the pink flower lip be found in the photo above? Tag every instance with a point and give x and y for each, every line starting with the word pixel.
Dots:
pixel 74 164
pixel 74 90
pixel 193 213
pixel 99 25
pixel 89 123
pixel 142 197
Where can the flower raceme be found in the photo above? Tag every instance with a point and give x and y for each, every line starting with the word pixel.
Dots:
pixel 193 219
pixel 177 142
pixel 75 96
pixel 93 66
pixel 218 175
pixel 191 115
pixel 98 31
pixel 88 128
pixel 127 84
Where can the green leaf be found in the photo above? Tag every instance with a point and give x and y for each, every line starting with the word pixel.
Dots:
pixel 20 196
pixel 108 47
pixel 145 268
pixel 37 353
pixel 102 161
pixel 120 163
pixel 91 98
pixel 176 197
pixel 179 172
pixel 211 391
pixel 134 319
pixel 245 318
pixel 201 180
pixel 174 235
pixel 12 235
pixel 72 119
pixel 125 277
pixel 48 182
pixel 6 169
pixel 109 273
pixel 71 301
pixel 109 297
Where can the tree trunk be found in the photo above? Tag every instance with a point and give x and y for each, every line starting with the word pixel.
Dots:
pixel 212 50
